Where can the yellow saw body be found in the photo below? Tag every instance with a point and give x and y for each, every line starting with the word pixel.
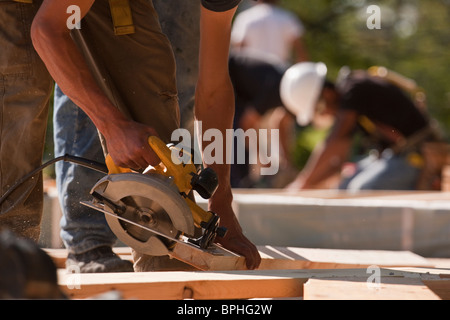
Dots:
pixel 153 211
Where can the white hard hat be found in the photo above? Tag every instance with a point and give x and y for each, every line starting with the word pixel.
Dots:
pixel 300 89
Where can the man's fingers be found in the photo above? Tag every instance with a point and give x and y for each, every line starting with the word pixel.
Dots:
pixel 246 249
pixel 252 256
pixel 128 163
pixel 150 157
pixel 252 259
pixel 143 157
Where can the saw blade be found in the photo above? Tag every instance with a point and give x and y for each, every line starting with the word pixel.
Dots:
pixel 100 207
pixel 150 206
pixel 183 240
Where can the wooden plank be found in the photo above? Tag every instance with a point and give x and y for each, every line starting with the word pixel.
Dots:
pixel 440 287
pixel 337 259
pixel 390 288
pixel 436 279
pixel 183 285
pixel 281 258
pixel 278 258
pixel 194 285
pixel 229 284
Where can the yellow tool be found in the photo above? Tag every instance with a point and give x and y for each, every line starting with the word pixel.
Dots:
pixel 151 211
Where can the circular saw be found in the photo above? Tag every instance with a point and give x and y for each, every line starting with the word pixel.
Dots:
pixel 153 211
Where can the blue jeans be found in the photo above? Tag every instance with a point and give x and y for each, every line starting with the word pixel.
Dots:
pixel 387 172
pixel 82 228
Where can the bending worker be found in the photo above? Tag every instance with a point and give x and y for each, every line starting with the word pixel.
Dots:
pixel 396 126
pixel 142 68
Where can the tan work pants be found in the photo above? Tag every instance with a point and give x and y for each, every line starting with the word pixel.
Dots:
pixel 140 67
pixel 25 89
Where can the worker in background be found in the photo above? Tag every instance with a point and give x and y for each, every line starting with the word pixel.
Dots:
pixel 271 30
pixel 398 128
pixel 256 82
pixel 142 67
pixel 85 232
pixel 266 39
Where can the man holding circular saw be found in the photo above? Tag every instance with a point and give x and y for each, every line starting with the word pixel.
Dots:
pixel 139 64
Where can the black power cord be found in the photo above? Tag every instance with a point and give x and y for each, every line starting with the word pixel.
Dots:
pixel 97 166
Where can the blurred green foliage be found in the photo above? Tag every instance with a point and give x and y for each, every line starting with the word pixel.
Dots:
pixel 413 40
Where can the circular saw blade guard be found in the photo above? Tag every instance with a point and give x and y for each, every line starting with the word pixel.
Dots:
pixel 150 200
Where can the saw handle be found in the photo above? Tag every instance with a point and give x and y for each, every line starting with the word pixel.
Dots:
pixel 112 168
pixel 158 146
pixel 181 172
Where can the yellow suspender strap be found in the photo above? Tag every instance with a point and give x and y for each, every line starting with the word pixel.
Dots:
pixel 24 1
pixel 121 16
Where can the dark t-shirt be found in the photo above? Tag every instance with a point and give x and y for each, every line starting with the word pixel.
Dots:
pixel 219 5
pixel 256 83
pixel 381 102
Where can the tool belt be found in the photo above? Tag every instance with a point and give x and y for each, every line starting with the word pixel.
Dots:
pixel 415 141
pixel 120 13
pixel 403 145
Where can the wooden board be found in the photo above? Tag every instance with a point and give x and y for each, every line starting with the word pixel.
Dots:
pixel 274 258
pixel 181 285
pixel 390 288
pixel 282 258
pixel 440 287
pixel 245 284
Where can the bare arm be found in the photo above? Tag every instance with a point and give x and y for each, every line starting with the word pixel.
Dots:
pixel 328 158
pixel 215 108
pixel 126 140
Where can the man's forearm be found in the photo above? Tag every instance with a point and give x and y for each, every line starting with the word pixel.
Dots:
pixel 218 116
pixel 126 140
pixel 215 94
pixel 68 68
pixel 325 161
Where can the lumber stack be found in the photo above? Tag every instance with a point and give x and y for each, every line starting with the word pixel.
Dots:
pixel 284 273
pixel 375 243
pixel 335 284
